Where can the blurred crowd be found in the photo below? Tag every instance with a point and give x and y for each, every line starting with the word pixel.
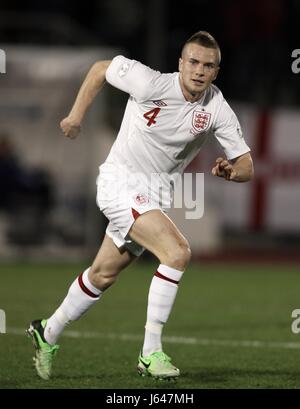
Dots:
pixel 26 196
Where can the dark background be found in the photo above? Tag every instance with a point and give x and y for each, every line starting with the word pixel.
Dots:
pixel 256 37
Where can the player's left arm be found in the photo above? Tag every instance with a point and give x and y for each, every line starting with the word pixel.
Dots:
pixel 239 169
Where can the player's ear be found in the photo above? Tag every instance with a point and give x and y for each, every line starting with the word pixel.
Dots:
pixel 180 64
pixel 216 73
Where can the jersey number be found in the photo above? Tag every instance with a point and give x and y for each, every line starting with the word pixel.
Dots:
pixel 151 115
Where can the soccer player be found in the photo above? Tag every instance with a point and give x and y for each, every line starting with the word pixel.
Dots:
pixel 167 120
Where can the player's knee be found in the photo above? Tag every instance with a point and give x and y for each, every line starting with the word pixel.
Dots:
pixel 180 256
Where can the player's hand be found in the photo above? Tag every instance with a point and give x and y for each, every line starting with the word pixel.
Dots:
pixel 70 128
pixel 224 169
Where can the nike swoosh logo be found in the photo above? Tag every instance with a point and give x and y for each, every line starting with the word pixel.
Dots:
pixel 144 363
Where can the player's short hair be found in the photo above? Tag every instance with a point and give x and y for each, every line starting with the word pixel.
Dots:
pixel 206 40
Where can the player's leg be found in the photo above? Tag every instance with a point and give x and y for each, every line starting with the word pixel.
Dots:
pixel 83 293
pixel 109 262
pixel 158 234
pixel 155 231
pixel 88 288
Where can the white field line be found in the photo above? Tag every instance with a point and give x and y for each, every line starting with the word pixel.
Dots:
pixel 172 339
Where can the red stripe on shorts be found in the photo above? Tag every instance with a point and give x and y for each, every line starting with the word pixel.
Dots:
pixel 135 214
pixel 159 275
pixel 85 289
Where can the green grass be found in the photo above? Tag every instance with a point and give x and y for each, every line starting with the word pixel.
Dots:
pixel 214 302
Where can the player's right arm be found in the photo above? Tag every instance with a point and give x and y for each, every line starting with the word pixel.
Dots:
pixel 90 87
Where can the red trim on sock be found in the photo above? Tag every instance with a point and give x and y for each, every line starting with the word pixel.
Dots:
pixel 135 214
pixel 159 275
pixel 85 289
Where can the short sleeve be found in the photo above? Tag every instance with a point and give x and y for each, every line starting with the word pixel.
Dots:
pixel 228 132
pixel 132 77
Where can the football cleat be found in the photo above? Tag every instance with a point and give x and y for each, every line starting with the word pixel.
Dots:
pixel 158 365
pixel 44 352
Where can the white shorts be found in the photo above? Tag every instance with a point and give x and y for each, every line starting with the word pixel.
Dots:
pixel 122 199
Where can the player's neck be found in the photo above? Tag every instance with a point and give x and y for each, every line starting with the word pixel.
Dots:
pixel 193 97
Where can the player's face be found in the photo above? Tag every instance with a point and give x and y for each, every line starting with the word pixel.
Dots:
pixel 198 67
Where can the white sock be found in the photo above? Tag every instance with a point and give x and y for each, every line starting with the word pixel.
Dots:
pixel 80 298
pixel 162 293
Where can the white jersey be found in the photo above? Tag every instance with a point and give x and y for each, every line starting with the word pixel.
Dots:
pixel 161 132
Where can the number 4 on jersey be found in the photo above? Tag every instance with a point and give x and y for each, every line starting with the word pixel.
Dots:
pixel 151 115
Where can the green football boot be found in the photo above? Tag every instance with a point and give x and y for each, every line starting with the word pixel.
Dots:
pixel 44 352
pixel 158 365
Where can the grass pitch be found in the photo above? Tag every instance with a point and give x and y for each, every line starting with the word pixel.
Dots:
pixel 230 328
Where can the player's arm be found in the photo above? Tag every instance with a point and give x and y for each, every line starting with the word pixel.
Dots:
pixel 90 87
pixel 239 169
